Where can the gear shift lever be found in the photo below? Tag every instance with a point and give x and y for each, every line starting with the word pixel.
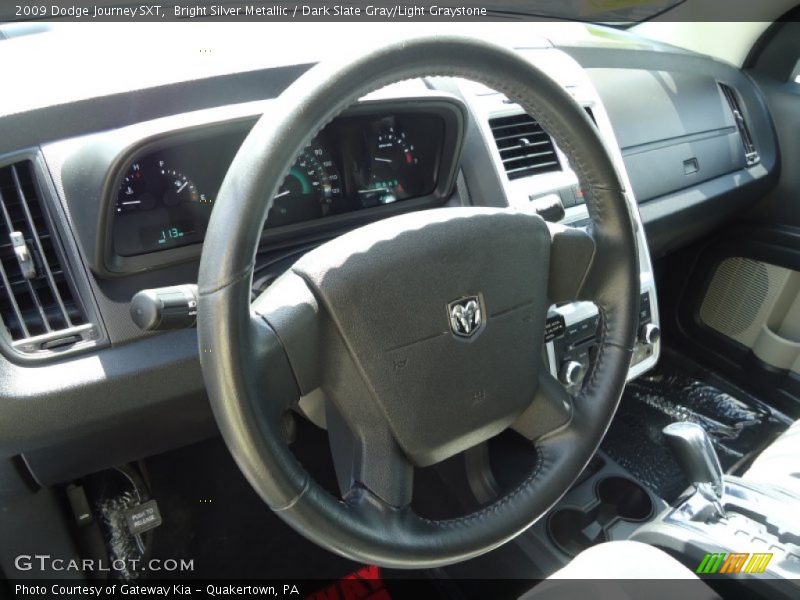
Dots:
pixel 696 455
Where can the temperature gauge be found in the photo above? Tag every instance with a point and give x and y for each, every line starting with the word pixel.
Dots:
pixel 133 191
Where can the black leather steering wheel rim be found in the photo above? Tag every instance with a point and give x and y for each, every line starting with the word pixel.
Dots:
pixel 249 400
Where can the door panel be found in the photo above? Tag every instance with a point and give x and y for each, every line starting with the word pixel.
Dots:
pixel 735 303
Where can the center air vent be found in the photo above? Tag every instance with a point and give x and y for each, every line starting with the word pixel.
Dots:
pixel 524 146
pixel 38 309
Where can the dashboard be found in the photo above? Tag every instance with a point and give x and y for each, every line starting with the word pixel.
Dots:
pixel 128 180
pixel 362 161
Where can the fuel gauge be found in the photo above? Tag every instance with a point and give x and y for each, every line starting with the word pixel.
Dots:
pixel 177 187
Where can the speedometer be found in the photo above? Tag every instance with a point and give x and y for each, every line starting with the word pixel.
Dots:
pixel 311 190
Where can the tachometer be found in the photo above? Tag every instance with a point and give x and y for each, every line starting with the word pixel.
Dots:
pixel 393 159
pixel 311 189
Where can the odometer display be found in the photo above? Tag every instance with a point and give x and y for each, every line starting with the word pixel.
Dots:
pixel 168 236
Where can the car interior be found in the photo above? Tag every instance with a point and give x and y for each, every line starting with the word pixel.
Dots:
pixel 514 303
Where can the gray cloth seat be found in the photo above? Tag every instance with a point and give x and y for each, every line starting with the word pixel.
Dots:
pixel 779 464
pixel 622 570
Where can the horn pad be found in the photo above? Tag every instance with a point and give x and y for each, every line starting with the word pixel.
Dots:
pixel 443 312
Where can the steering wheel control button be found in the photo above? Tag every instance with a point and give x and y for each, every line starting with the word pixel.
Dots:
pixel 571 373
pixel 165 308
pixel 466 316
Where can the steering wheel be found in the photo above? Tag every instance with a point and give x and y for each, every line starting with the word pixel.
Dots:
pixel 372 319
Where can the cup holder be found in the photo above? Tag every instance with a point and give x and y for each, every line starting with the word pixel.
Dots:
pixel 631 501
pixel 616 500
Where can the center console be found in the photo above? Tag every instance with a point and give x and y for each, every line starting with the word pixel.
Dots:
pixel 727 527
pixel 739 536
pixel 572 337
pixel 755 538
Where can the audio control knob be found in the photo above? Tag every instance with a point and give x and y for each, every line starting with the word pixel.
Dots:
pixel 571 372
pixel 649 333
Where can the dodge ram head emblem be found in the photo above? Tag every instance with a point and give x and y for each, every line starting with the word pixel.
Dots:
pixel 465 316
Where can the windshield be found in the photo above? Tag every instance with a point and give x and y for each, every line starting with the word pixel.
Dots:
pixel 609 12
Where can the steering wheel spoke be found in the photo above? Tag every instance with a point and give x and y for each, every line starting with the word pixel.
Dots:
pixel 291 310
pixel 369 459
pixel 272 377
pixel 572 253
pixel 550 411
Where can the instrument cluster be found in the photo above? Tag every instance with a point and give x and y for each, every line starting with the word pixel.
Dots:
pixel 361 161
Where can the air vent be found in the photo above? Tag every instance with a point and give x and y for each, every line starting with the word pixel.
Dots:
pixel 750 152
pixel 37 306
pixel 524 146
